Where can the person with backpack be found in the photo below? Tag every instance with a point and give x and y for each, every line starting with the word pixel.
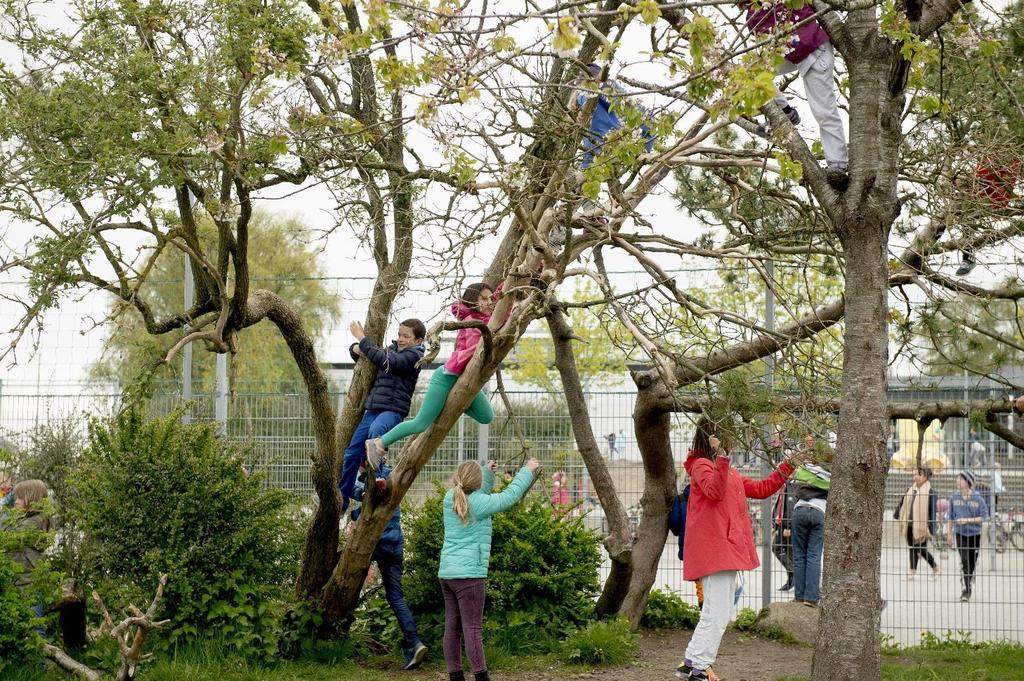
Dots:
pixel 719 540
pixel 811 486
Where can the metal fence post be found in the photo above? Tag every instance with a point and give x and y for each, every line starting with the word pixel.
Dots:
pixel 186 354
pixel 766 465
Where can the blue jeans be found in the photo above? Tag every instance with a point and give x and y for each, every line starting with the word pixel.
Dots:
pixel 808 541
pixel 373 425
pixel 389 562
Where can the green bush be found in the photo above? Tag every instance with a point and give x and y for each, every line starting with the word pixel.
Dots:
pixel 20 645
pixel 158 497
pixel 668 610
pixel 745 619
pixel 541 583
pixel 607 642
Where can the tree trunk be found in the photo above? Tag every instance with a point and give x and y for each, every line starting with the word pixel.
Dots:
pixel 619 542
pixel 653 424
pixel 322 535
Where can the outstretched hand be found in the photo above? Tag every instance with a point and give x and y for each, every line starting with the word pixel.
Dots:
pixel 533 465
pixel 357 330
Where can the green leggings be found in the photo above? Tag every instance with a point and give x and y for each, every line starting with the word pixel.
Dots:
pixel 441 383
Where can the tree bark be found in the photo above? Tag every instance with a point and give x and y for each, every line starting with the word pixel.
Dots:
pixel 619 542
pixel 653 425
pixel 322 535
pixel 847 644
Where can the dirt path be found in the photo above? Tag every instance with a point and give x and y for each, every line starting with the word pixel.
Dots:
pixel 741 658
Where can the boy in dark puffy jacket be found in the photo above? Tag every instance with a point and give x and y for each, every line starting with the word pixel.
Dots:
pixel 390 397
pixel 389 556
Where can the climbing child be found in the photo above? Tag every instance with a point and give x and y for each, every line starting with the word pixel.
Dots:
pixel 719 540
pixel 391 395
pixel 995 181
pixel 465 555
pixel 389 556
pixel 477 302
pixel 812 55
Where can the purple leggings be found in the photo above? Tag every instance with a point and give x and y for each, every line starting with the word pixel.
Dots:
pixel 464 619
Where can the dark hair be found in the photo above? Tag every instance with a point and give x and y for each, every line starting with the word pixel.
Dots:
pixel 419 330
pixel 701 439
pixel 471 296
pixel 926 471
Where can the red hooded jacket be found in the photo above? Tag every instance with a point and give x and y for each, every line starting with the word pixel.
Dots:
pixel 718 532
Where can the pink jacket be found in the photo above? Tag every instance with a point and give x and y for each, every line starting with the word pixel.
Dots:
pixel 468 339
pixel 718 532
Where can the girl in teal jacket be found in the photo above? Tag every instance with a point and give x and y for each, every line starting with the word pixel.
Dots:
pixel 465 555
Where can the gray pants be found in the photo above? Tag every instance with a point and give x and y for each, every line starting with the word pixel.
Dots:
pixel 817 72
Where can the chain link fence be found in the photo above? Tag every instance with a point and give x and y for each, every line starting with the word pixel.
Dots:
pixel 274 430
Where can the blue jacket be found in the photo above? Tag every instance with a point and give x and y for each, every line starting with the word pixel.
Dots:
pixel 603 121
pixel 973 506
pixel 392 535
pixel 396 375
pixel 466 552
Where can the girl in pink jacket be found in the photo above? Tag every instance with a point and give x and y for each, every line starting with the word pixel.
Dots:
pixel 477 302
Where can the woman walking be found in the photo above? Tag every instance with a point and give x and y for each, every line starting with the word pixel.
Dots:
pixel 916 514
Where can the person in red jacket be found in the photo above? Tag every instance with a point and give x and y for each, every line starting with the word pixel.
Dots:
pixel 719 539
pixel 994 184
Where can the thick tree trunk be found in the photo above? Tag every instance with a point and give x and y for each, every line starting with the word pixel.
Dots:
pixel 322 535
pixel 653 424
pixel 619 542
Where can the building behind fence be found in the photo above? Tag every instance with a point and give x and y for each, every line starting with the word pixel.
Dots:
pixel 275 431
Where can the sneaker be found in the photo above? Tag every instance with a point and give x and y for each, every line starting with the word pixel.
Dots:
pixel 967 263
pixel 794 115
pixel 703 675
pixel 374 455
pixel 683 670
pixel 965 596
pixel 556 237
pixel 837 178
pixel 811 604
pixel 788 586
pixel 381 483
pixel 415 659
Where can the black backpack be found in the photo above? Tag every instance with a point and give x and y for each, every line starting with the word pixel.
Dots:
pixel 677 517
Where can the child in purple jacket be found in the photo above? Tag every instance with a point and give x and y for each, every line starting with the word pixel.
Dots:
pixel 811 54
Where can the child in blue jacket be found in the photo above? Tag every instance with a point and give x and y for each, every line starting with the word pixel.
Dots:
pixel 389 556
pixel 390 397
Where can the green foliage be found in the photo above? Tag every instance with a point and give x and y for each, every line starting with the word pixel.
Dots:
pixel 161 497
pixel 667 610
pixel 542 579
pixel 745 619
pixel 280 259
pixel 20 645
pixel 606 642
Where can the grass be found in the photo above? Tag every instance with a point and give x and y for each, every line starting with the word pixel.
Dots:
pixel 989 662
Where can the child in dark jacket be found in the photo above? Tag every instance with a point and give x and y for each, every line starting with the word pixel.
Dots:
pixel 390 397
pixel 477 303
pixel 389 556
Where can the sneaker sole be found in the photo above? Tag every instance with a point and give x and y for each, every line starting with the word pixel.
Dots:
pixel 417 658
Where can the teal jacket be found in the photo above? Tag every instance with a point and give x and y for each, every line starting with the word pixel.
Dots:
pixel 467 547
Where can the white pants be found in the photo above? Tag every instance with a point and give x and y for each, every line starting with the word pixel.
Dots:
pixel 817 71
pixel 719 589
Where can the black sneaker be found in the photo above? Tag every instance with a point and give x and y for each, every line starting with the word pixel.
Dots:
pixel 837 178
pixel 967 263
pixel 965 596
pixel 683 670
pixel 788 586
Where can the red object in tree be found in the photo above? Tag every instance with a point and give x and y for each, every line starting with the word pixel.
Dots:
pixel 997 180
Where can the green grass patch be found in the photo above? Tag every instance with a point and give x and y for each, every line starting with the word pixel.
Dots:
pixel 606 642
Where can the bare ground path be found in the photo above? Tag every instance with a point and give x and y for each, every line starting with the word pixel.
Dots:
pixel 741 658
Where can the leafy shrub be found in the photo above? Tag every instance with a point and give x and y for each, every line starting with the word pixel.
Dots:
pixel 19 643
pixel 541 583
pixel 607 642
pixel 159 496
pixel 668 610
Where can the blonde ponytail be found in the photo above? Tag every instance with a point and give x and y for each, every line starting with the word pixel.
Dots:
pixel 468 478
